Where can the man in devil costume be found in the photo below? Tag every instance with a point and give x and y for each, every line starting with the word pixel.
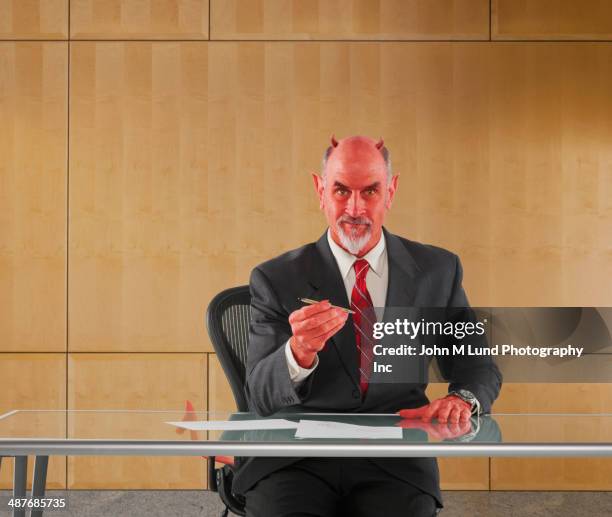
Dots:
pixel 315 358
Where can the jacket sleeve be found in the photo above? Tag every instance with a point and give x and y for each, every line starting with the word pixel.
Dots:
pixel 268 385
pixel 477 373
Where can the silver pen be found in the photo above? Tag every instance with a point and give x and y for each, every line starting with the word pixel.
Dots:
pixel 310 302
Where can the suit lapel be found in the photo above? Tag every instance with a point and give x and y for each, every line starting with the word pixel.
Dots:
pixel 403 272
pixel 327 283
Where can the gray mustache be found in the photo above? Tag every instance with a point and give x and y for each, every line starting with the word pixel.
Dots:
pixel 354 220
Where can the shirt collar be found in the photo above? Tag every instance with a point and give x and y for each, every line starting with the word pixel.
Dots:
pixel 345 260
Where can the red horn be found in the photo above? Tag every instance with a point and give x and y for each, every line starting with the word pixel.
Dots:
pixel 334 142
pixel 380 143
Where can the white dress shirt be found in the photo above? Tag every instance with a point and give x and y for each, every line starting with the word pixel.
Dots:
pixel 377 280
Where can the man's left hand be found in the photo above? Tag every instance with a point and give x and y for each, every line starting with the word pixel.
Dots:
pixel 447 409
pixel 440 431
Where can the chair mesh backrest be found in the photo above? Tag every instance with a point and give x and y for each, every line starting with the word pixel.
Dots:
pixel 227 320
pixel 235 324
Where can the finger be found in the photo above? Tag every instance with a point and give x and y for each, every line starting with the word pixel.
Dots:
pixel 316 343
pixel 431 428
pixel 444 412
pixel 321 340
pixel 414 412
pixel 466 415
pixel 309 310
pixel 324 328
pixel 333 331
pixel 444 431
pixel 455 414
pixel 431 411
pixel 416 424
pixel 456 400
pixel 316 320
pixel 455 429
pixel 409 424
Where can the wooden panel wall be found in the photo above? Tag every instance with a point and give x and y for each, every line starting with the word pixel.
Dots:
pixel 134 381
pixel 139 178
pixel 551 19
pixel 350 19
pixel 552 473
pixel 33 106
pixel 140 235
pixel 147 19
pixel 33 19
pixel 34 381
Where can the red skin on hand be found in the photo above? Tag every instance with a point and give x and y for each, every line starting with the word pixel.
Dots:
pixel 452 413
pixel 450 408
pixel 438 430
pixel 311 327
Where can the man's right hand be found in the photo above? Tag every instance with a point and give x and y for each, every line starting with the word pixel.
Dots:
pixel 312 326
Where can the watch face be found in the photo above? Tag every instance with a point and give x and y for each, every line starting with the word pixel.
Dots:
pixel 467 396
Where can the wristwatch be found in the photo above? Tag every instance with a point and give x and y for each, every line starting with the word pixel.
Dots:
pixel 467 396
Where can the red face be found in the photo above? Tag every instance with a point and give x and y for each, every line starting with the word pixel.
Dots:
pixel 355 195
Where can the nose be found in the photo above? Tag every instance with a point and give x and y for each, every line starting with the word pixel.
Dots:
pixel 355 205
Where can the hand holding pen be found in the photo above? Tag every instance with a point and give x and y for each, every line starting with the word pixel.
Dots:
pixel 311 327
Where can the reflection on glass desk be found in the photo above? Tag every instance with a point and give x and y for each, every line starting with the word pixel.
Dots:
pixel 135 432
pixel 129 433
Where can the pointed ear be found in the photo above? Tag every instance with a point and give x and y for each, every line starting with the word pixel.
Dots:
pixel 319 188
pixel 391 191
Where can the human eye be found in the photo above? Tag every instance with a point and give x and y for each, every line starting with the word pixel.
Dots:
pixel 341 192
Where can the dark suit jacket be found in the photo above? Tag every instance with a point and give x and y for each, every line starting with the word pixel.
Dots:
pixel 419 276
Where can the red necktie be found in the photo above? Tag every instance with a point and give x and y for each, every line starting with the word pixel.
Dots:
pixel 361 303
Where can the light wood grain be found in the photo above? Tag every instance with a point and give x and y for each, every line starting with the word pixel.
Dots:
pixel 550 175
pixel 551 474
pixel 144 262
pixel 33 148
pixel 554 398
pixel 33 381
pixel 33 19
pixel 220 393
pixel 146 19
pixel 551 19
pixel 134 381
pixel 506 167
pixel 349 19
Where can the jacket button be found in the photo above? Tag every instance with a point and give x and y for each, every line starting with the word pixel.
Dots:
pixel 356 394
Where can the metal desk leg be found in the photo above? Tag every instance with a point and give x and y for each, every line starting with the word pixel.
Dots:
pixel 20 474
pixel 40 480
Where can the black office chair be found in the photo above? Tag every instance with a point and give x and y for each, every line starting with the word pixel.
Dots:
pixel 227 322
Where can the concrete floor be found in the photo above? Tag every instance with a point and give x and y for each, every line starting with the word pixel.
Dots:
pixel 192 503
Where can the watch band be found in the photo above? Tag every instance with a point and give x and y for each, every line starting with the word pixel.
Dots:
pixel 469 397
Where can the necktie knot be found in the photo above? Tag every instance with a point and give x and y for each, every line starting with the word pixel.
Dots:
pixel 361 267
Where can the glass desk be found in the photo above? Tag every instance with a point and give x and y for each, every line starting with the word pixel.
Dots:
pixel 130 433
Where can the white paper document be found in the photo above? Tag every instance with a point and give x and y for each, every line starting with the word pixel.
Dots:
pixel 235 425
pixel 324 429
